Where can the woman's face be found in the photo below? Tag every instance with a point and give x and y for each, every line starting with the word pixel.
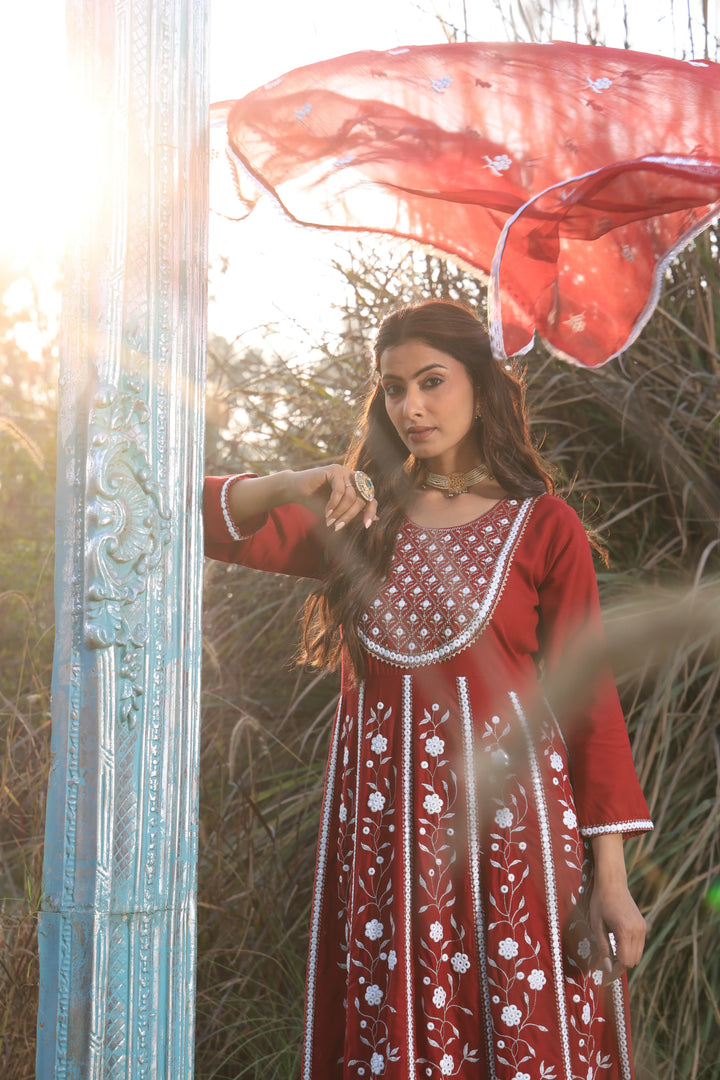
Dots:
pixel 431 402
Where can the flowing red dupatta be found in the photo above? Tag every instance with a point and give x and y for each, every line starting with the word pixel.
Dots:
pixel 567 174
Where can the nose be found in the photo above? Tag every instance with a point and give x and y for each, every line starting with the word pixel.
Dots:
pixel 412 405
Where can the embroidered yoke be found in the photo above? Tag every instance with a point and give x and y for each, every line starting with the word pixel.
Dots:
pixel 449 931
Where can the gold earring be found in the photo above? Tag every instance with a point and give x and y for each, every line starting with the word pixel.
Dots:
pixel 478 413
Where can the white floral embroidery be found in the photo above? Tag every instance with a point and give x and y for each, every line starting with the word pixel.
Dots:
pixel 434 746
pixel 376 801
pixel 569 819
pixel 504 818
pixel 460 962
pixel 392 959
pixel 556 762
pixel 374 929
pixel 345 852
pixel 511 1015
pixel 515 979
pixel 439 85
pixel 378 744
pixel 598 85
pixel 499 164
pixel 433 804
pixel 577 322
pixel 508 948
pixel 523 1076
pixel 447 568
pixel 377 1064
pixel 586 1013
pixel 584 948
pixel 303 112
pixel 447 1065
pixel 367 902
pixel 443 929
pixel 597 977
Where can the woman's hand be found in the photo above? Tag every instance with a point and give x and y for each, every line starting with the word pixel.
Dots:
pixel 330 491
pixel 613 910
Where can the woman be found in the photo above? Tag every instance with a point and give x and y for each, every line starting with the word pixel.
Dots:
pixel 470 871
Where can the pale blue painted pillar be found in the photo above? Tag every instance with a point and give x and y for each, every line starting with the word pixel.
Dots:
pixel 117 929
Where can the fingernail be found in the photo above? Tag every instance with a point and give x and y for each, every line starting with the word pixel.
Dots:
pixel 368 523
pixel 340 525
pixel 330 522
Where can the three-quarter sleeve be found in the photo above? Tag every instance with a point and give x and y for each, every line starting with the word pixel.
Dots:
pixel 607 792
pixel 287 540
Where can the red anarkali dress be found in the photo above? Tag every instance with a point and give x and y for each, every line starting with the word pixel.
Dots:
pixel 449 932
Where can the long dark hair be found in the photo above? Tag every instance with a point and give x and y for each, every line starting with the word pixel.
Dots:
pixel 361 557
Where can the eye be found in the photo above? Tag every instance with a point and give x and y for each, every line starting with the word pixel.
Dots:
pixel 391 390
pixel 432 381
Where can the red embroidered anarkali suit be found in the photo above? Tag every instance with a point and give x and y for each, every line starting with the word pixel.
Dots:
pixel 449 933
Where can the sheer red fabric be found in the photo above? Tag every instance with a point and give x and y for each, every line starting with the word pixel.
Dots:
pixel 568 174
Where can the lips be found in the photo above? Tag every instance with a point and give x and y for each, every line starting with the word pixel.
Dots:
pixel 419 434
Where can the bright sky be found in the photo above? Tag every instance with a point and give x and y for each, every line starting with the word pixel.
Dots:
pixel 250 45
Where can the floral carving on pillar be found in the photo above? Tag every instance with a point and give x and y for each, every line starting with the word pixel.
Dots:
pixel 128 529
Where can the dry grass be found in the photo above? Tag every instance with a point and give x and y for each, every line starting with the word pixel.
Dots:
pixel 24 762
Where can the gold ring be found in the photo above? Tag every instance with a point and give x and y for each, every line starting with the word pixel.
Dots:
pixel 364 485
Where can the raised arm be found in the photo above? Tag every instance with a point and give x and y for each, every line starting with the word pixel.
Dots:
pixel 283 523
pixel 328 491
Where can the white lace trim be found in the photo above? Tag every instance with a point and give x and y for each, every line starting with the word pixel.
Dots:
pixel 358 766
pixel 619 1003
pixel 640 825
pixel 231 528
pixel 553 910
pixel 474 862
pixel 229 523
pixel 407 732
pixel 318 899
pixel 479 620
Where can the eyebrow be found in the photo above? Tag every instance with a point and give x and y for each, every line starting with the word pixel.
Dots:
pixel 421 371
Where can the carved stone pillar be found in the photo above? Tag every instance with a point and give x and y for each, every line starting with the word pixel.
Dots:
pixel 117 930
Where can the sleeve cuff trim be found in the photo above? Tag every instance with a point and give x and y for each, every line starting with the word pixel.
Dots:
pixel 639 825
pixel 229 523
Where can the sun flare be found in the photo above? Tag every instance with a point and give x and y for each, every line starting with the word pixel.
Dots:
pixel 41 131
